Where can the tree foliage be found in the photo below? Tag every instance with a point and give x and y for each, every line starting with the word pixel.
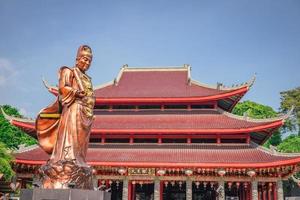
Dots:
pixel 5 160
pixel 10 135
pixel 291 98
pixel 258 111
pixel 290 144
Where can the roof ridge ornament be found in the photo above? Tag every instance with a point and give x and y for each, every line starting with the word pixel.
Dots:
pixel 189 68
pixel 117 79
pixel 250 119
pixel 10 118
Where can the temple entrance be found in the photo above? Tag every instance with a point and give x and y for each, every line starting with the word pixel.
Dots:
pixel 204 191
pixel 115 187
pixel 144 191
pixel 174 190
pixel 237 191
pixel 116 190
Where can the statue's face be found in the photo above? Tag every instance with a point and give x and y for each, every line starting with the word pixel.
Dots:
pixel 83 63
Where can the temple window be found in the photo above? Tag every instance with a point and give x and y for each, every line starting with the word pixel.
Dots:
pixel 174 140
pixel 95 140
pixel 141 107
pixel 145 140
pixel 117 140
pixel 202 106
pixel 204 140
pixel 234 140
pixel 125 107
pixel 176 107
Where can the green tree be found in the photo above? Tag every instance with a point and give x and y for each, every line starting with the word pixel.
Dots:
pixel 291 144
pixel 10 135
pixel 5 160
pixel 258 111
pixel 291 98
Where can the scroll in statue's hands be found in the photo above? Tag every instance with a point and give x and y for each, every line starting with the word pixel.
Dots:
pixel 80 93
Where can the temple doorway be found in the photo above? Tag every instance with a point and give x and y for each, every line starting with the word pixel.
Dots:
pixel 116 190
pixel 237 191
pixel 174 190
pixel 204 191
pixel 144 191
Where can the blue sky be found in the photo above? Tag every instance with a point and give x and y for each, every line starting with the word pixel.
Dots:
pixel 224 41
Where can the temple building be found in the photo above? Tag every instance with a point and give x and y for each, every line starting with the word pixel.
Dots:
pixel 158 134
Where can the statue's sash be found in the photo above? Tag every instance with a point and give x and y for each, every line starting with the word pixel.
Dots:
pixel 46 125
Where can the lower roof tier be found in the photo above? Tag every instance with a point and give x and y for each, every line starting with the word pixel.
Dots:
pixel 172 122
pixel 173 155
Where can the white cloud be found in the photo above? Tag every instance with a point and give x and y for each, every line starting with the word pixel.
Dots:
pixel 7 72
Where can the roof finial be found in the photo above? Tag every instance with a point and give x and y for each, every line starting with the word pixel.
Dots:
pixel 117 79
pixel 245 115
pixel 219 85
pixel 189 79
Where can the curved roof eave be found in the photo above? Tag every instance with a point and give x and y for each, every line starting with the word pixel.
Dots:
pixel 247 84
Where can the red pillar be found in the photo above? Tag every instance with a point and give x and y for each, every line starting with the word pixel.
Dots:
pixel 129 190
pixel 264 192
pixel 189 140
pixel 133 192
pixel 131 140
pixel 159 140
pixel 274 191
pixel 161 184
pixel 102 139
pixel 259 190
pixel 270 191
pixel 218 139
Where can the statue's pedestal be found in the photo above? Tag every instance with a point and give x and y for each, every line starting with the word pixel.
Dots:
pixel 63 194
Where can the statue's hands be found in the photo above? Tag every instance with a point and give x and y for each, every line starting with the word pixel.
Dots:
pixel 80 94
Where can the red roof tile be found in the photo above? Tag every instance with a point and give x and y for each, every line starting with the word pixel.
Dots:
pixel 197 119
pixel 153 84
pixel 174 122
pixel 197 155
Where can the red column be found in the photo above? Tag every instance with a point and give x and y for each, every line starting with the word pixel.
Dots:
pixel 129 190
pixel 159 140
pixel 270 191
pixel 248 138
pixel 161 190
pixel 274 191
pixel 259 190
pixel 264 192
pixel 189 140
pixel 131 140
pixel 133 192
pixel 218 139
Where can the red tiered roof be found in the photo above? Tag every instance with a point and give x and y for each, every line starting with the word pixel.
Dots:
pixel 164 85
pixel 173 155
pixel 210 121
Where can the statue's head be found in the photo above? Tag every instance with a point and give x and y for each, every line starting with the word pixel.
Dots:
pixel 84 57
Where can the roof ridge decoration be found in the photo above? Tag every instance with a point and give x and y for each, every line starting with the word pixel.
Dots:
pixel 22 148
pixel 249 119
pixel 125 68
pixel 220 86
pixel 273 151
pixel 10 118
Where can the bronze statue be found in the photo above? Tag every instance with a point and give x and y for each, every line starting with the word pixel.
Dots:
pixel 64 127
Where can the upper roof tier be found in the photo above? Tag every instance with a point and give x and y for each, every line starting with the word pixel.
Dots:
pixel 164 85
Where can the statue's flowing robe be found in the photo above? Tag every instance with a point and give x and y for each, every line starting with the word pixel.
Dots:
pixel 76 117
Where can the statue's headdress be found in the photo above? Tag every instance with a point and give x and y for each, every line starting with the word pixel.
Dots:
pixel 84 50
